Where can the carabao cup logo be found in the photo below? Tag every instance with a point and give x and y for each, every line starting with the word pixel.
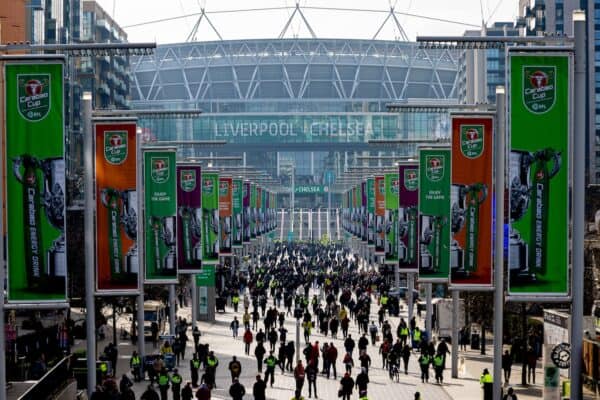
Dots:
pixel 434 168
pixel 381 186
pixel 160 169
pixel 223 188
pixel 411 179
pixel 395 186
pixel 207 186
pixel 115 147
pixel 471 140
pixel 539 88
pixel 187 180
pixel 33 96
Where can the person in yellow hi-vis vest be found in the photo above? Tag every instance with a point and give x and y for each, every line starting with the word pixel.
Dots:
pixel 487 384
pixel 438 367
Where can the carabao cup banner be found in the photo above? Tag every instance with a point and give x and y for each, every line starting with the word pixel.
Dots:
pixel 35 180
pixel 189 218
pixel 237 200
pixel 364 223
pixel 434 214
pixel 160 214
pixel 390 220
pixel 370 186
pixel 210 218
pixel 117 254
pixel 225 215
pixel 471 197
pixel 253 212
pixel 380 231
pixel 259 216
pixel 247 212
pixel 408 218
pixel 539 110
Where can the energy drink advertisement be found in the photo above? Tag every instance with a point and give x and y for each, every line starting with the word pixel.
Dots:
pixel 471 202
pixel 160 216
pixel 210 218
pixel 237 200
pixel 253 212
pixel 371 212
pixel 380 228
pixel 189 218
pixel 538 172
pixel 246 213
pixel 434 214
pixel 117 254
pixel 390 220
pixel 363 212
pixel 408 217
pixel 225 215
pixel 34 168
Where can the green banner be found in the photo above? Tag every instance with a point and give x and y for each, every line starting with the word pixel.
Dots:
pixel 210 218
pixel 206 277
pixel 371 212
pixel 35 181
pixel 253 212
pixel 539 110
pixel 160 216
pixel 434 214
pixel 237 198
pixel 390 221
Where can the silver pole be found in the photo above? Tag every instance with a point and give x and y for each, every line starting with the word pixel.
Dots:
pixel 90 254
pixel 455 312
pixel 579 27
pixel 499 244
pixel 410 299
pixel 172 306
pixel 329 215
pixel 397 275
pixel 297 339
pixel 429 310
pixel 3 264
pixel 140 242
pixel 292 198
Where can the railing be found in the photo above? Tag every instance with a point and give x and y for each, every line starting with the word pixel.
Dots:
pixel 51 383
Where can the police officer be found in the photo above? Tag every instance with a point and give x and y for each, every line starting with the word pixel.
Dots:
pixel 271 363
pixel 194 366
pixel 424 361
pixel 235 300
pixel 176 387
pixel 212 362
pixel 487 385
pixel 417 338
pixel 438 367
pixel 135 363
pixel 163 383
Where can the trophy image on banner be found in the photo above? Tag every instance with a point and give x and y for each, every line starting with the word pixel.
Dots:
pixel 122 211
pixel 530 175
pixel 431 243
pixel 371 227
pixel 192 231
pixel 238 227
pixel 225 232
pixel 163 233
pixel 388 224
pixel 465 213
pixel 45 272
pixel 381 230
pixel 407 229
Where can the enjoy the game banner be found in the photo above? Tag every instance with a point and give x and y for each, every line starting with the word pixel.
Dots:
pixel 210 218
pixel 540 109
pixel 380 228
pixel 225 215
pixel 237 200
pixel 408 218
pixel 471 196
pixel 247 211
pixel 371 212
pixel 117 255
pixel 434 214
pixel 160 214
pixel 390 220
pixel 189 218
pixel 34 168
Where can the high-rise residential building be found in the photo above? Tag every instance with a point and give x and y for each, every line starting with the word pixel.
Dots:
pixel 106 77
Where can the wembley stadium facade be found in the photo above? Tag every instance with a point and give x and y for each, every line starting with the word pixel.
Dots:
pixel 318 103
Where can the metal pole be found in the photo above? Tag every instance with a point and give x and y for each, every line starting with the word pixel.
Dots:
pixel 455 311
pixel 2 266
pixel 140 243
pixel 172 306
pixel 499 241
pixel 579 28
pixel 292 195
pixel 410 297
pixel 429 310
pixel 90 316
pixel 297 339
pixel 397 275
pixel 329 215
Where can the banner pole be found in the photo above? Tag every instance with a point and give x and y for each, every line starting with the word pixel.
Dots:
pixel 429 311
pixel 194 303
pixel 578 198
pixel 141 335
pixel 455 312
pixel 499 240
pixel 410 297
pixel 172 306
pixel 89 245
pixel 3 264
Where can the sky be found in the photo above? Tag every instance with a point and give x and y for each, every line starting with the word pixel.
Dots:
pixel 268 24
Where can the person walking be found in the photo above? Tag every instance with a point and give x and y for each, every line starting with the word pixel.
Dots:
pixel 299 374
pixel 487 384
pixel 247 341
pixel 176 380
pixel 424 362
pixel 163 384
pixel 311 375
pixel 135 363
pixel 234 326
pixel 332 355
pixel 346 386
pixel 349 345
pixel 438 367
pixel 187 393
pixel 406 353
pixel 237 390
pixel 235 368
pixel 362 381
pixel 259 353
pixel 194 367
pixel 510 395
pixel 271 363
pixel 203 393
pixel 259 389
pixel 348 362
pixel 507 362
pixel 149 394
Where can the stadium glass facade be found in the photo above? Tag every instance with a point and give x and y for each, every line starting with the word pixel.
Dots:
pixel 313 102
